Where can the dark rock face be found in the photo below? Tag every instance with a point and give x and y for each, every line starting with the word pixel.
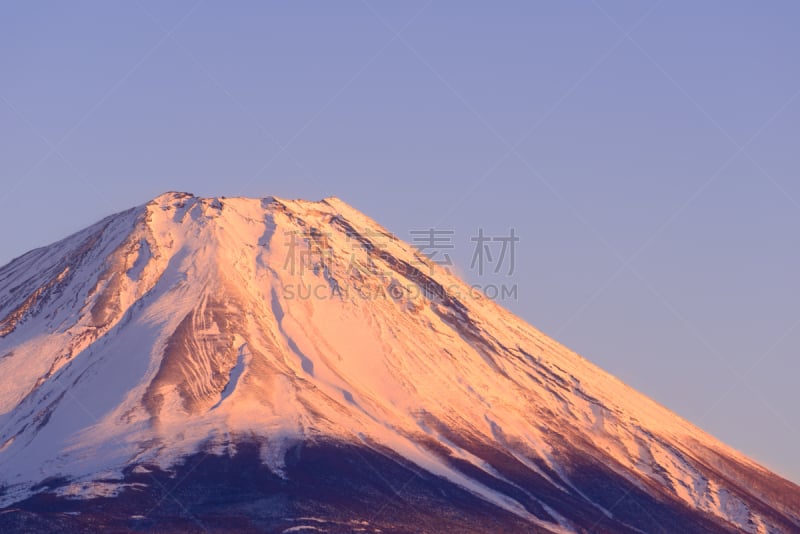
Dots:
pixel 343 488
pixel 328 487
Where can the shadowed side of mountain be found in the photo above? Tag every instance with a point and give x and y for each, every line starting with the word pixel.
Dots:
pixel 329 487
pixel 342 487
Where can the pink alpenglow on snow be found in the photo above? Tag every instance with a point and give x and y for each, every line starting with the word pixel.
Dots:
pixel 237 364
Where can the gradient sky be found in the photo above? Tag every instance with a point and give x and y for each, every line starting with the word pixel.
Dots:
pixel 646 154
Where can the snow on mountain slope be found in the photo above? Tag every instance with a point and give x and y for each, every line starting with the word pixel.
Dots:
pixel 192 324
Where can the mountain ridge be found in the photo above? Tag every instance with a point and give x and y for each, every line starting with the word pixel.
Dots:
pixel 168 331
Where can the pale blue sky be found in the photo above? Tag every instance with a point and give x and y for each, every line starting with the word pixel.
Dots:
pixel 645 153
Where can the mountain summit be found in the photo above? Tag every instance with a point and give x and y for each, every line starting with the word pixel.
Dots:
pixel 269 365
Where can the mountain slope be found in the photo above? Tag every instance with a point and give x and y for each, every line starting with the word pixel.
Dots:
pixel 190 343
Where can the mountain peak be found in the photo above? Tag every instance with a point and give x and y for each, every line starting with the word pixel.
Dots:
pixel 194 326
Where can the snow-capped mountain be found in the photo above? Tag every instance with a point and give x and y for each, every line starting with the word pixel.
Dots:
pixel 269 365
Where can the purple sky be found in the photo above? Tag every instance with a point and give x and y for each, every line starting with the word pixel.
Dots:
pixel 645 153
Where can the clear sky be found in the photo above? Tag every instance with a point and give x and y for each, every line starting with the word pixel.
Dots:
pixel 645 153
